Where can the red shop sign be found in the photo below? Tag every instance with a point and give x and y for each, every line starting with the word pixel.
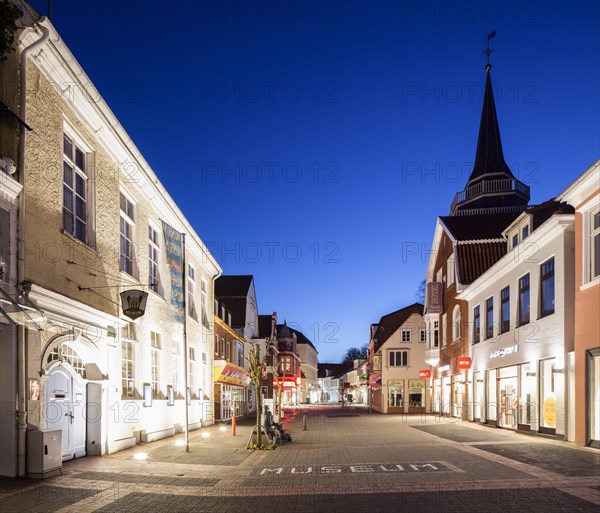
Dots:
pixel 463 362
pixel 424 373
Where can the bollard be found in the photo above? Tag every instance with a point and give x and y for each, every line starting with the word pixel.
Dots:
pixel 304 423
pixel 233 425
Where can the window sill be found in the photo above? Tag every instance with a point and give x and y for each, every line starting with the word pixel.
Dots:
pixel 78 242
pixel 591 283
pixel 546 315
pixel 125 275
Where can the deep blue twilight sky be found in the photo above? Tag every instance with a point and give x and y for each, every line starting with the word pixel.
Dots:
pixel 346 127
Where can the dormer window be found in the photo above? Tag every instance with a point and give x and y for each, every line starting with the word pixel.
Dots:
pixel 515 240
pixel 525 232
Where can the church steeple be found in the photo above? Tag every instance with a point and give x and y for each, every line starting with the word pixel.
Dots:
pixel 492 188
pixel 489 158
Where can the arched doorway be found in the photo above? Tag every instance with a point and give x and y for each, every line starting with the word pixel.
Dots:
pixel 65 397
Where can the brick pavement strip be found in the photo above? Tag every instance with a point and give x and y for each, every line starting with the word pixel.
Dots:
pixel 220 475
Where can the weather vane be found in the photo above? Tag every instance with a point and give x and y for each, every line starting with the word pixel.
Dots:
pixel 488 51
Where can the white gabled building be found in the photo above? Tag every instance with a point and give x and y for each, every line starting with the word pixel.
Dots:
pixel 521 315
pixel 94 220
pixel 397 349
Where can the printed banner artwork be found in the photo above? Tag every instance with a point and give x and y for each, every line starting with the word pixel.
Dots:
pixel 174 254
pixel 435 294
pixel 377 363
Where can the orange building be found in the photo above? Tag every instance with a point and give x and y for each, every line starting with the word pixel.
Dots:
pixel 584 195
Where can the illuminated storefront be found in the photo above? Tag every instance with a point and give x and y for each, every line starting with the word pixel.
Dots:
pixel 232 395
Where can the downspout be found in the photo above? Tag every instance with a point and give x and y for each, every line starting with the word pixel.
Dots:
pixel 212 377
pixel 22 332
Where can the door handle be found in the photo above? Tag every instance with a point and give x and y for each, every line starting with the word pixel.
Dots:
pixel 69 414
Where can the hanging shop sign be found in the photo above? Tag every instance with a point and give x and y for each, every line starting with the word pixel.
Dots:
pixel 435 294
pixel 377 363
pixel 443 368
pixel 425 373
pixel 133 303
pixel 500 353
pixel 463 362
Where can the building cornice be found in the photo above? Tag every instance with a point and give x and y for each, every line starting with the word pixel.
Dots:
pixel 56 62
pixel 228 329
pixel 62 309
pixel 552 228
pixel 583 187
pixel 9 188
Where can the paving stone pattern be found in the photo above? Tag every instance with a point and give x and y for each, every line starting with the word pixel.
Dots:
pixel 458 433
pixel 563 460
pixel 545 500
pixel 44 499
pixel 359 462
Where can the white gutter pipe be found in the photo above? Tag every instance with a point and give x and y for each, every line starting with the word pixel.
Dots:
pixel 22 332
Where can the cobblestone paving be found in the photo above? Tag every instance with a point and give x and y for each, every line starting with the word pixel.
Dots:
pixel 458 433
pixel 347 460
pixel 501 501
pixel 564 460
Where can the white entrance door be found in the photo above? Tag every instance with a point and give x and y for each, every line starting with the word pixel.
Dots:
pixel 65 408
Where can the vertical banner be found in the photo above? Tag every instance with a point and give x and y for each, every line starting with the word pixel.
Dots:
pixel 174 254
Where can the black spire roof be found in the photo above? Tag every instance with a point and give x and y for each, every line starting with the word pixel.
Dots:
pixel 489 158
pixel 492 188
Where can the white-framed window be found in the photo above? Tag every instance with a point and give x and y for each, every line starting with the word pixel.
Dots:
pixel 515 240
pixel 191 291
pixel 444 330
pixel 398 358
pixel 405 335
pixel 127 240
pixel 525 232
pixel 204 301
pixel 422 335
pixel 456 324
pixel 154 282
pixel 127 369
pixel 175 374
pixel 191 367
pixel 595 244
pixel 450 271
pixel 78 183
pixel 155 351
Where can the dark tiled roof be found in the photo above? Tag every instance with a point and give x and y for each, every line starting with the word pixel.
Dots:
pixel 542 212
pixel 283 331
pixel 302 339
pixel 234 285
pixel 237 307
pixel 475 259
pixel 335 369
pixel 478 226
pixel 265 326
pixel 389 323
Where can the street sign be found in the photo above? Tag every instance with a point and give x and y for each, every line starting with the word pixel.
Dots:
pixel 463 362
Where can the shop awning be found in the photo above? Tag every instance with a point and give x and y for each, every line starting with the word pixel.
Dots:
pixel 230 374
pixel 16 308
pixel 374 378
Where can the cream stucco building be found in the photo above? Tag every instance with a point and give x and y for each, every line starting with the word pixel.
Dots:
pixel 87 218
